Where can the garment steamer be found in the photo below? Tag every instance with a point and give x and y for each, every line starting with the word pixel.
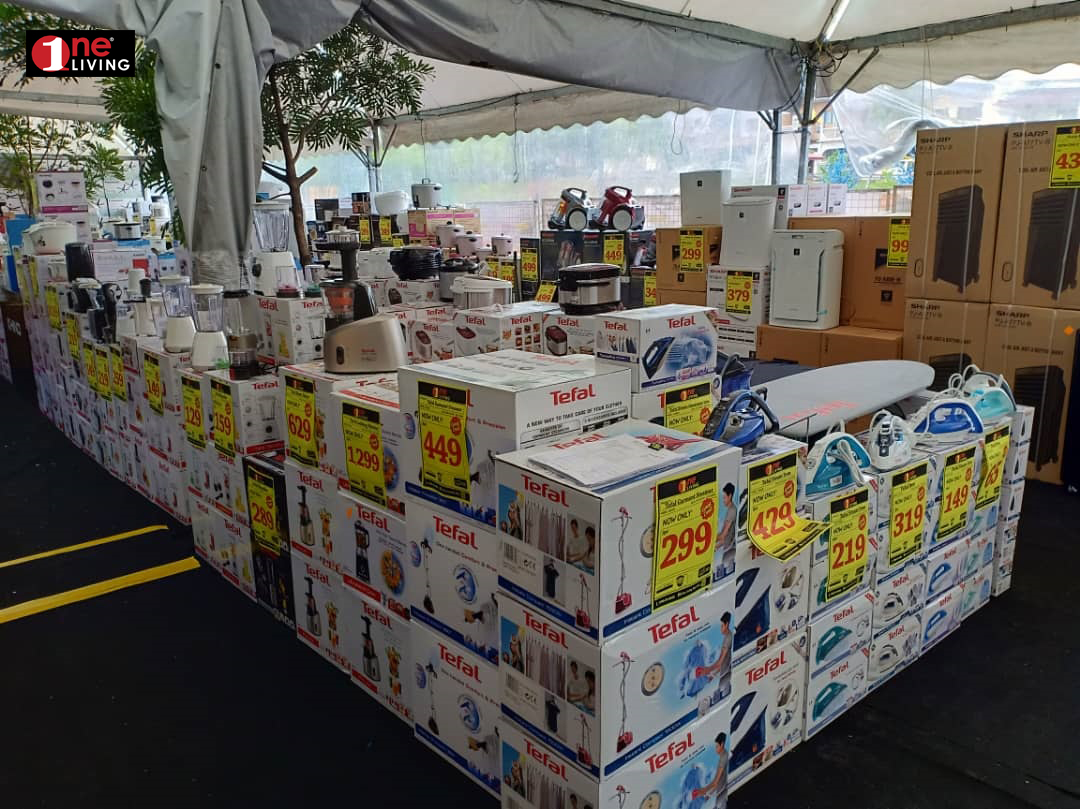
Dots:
pixel 626 737
pixel 741 419
pixel 307 529
pixel 314 621
pixel 836 462
pixel 622 598
pixel 581 617
pixel 432 723
pixel 891 441
pixel 583 754
pixel 371 660
pixel 425 546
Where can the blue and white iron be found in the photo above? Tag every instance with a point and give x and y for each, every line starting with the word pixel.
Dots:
pixel 947 418
pixel 989 393
pixel 741 419
pixel 891 443
pixel 825 698
pixel 836 462
pixel 830 641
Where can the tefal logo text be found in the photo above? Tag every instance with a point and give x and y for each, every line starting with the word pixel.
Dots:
pixel 567 321
pixel 544 490
pixel 232 528
pixel 839 670
pixel 772 664
pixel 520 320
pixel 269 304
pixel 844 613
pixel 680 322
pixel 615 325
pixel 581 439
pixel 376 615
pixel 897 632
pixel 545 629
pixel 373 517
pixel 545 758
pixel 561 397
pixel 475 321
pixel 317 573
pixel 459 662
pixel 680 620
pixel 311 481
pixel 674 751
pixel 455 532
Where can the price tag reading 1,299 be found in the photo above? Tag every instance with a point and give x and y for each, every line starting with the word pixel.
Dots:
pixel 849 519
pixel 738 298
pixel 444 458
pixel 907 512
pixel 262 503
pixel 300 420
pixel 995 448
pixel 221 409
pixel 771 520
pixel 691 251
pixel 194 428
pixel 363 451
pixel 686 509
pixel 687 409
pixel 957 482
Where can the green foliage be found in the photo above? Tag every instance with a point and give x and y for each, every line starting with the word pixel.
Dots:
pixel 14 23
pixel 30 145
pixel 99 164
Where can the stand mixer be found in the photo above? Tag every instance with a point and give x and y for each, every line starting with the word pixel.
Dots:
pixel 274 264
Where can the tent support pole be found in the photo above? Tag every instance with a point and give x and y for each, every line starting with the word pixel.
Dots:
pixel 809 82
pixel 846 84
pixel 375 159
pixel 774 157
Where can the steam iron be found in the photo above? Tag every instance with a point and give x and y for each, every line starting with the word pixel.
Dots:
pixel 829 641
pixel 989 393
pixel 887 660
pixel 892 441
pixel 756 619
pixel 826 697
pixel 936 626
pixel 892 607
pixel 938 576
pixel 654 355
pixel 741 419
pixel 753 740
pixel 836 461
pixel 946 419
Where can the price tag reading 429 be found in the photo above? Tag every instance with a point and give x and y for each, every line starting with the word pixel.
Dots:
pixel 444 458
pixel 849 518
pixel 363 451
pixel 907 512
pixel 687 409
pixel 1065 168
pixel 262 503
pixel 155 391
pixel 957 481
pixel 771 521
pixel 194 428
pixel 995 448
pixel 530 265
pixel 686 507
pixel 300 419
pixel 691 251
pixel 221 410
pixel 740 292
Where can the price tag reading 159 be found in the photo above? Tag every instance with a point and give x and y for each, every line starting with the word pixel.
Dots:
pixel 221 409
pixel 849 518
pixel 686 508
pixel 907 512
pixel 363 451
pixel 957 481
pixel 444 459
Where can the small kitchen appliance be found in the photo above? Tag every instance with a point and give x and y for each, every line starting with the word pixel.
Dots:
pixel 241 339
pixel 208 348
pixel 425 194
pixel 274 264
pixel 618 210
pixel 449 272
pixel 572 210
pixel 589 289
pixel 179 326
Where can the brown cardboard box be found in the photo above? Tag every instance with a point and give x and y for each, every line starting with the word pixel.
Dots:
pixel 858 344
pixel 795 345
pixel 1035 260
pixel 669 272
pixel 954 209
pixel 680 296
pixel 1035 349
pixel 946 335
pixel 872 293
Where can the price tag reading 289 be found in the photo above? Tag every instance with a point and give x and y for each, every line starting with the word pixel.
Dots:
pixel 849 519
pixel 362 428
pixel 686 507
pixel 771 521
pixel 444 459
pixel 262 505
pixel 957 482
pixel 907 512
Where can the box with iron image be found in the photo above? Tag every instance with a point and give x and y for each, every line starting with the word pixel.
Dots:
pixel 956 491
pixel 568 334
pixel 945 566
pixel 371 550
pixel 842 631
pixel 270 552
pixel 378 645
pixel 980 552
pixel 599 531
pixel 311 503
pixel 557 685
pixel 895 646
pixel 771 598
pixel 245 413
pixel 900 593
pixel 660 344
pixel 768 693
pixel 941 615
pixel 455 705
pixel 1012 500
pixel 319 617
pixel 494 328
pixel 836 687
pixel 977 588
pixel 458 414
pixel 450 580
pixel 843 556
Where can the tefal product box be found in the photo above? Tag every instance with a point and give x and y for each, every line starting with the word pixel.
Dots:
pixel 1023 421
pixel 270 552
pixel 941 615
pixel 906 511
pixel 689 768
pixel 371 547
pixel 660 344
pixel 771 598
pixel 683 254
pixel 168 487
pixel 494 328
pixel 900 593
pixel 835 688
pixel 365 441
pixel 579 544
pixel 161 377
pixel 895 646
pixel 945 566
pixel 431 333
pixel 455 705
pixel 956 491
pixel 564 334
pixel 954 212
pixel 311 503
pixel 298 327
pixel 319 618
pixel 740 298
pixel 946 335
pixel 245 413
pixel 224 534
pixel 264 329
pixel 412 292
pixel 378 645
pixel 1012 499
pixel 458 414
pixel 1001 578
pixel 557 685
pixel 684 407
pixel 980 552
pixel 243 564
pixel 201 529
pixel 768 693
pixel 976 591
pixel 228 489
pixel 843 558
pixel 841 631
pixel 451 580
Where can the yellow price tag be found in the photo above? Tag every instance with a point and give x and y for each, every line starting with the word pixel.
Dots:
pixel 649 294
pixel 899 242
pixel 771 521
pixel 444 459
pixel 615 249
pixel 687 409
pixel 155 391
pixel 849 528
pixel 738 299
pixel 194 418
pixel 300 420
pixel 365 230
pixel 89 365
pixel 546 292
pixel 52 306
pixel 995 448
pixel 957 481
pixel 72 326
pixel 685 508
pixel 397 241
pixel 507 270
pixel 530 265
pixel 116 372
pixel 262 507
pixel 363 451
pixel 101 368
pixel 386 229
pixel 1065 168
pixel 691 251
pixel 32 269
pixel 907 512
pixel 221 409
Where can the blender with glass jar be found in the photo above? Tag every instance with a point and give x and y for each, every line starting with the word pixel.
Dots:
pixel 208 349
pixel 179 327
pixel 241 339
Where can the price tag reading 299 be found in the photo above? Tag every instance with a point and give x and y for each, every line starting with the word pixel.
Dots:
pixel 686 508
pixel 444 460
pixel 907 512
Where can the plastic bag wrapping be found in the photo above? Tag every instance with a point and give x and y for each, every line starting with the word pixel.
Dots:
pixel 217 267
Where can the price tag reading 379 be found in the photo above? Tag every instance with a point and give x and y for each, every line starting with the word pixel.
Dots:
pixel 686 508
pixel 444 459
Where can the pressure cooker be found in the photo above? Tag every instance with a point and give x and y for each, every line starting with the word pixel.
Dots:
pixel 589 289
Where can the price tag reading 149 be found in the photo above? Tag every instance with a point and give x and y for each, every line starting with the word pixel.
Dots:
pixel 155 393
pixel 686 507
pixel 300 419
pixel 444 458
pixel 957 481
pixel 995 448
pixel 849 517
pixel 771 521
pixel 363 451
pixel 907 512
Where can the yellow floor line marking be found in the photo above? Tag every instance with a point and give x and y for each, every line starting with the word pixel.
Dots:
pixel 100 588
pixel 83 545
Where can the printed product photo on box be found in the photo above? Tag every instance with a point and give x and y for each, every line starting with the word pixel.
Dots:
pixel 942 615
pixel 660 344
pixel 371 547
pixel 432 334
pixel 457 415
pixel 768 695
pixel 834 688
pixel 245 413
pixel 224 532
pixel 244 565
pixel 895 646
pixel 976 591
pixel 685 407
pixel 450 578
pixel 740 298
pixel 455 706
pixel 264 329
pixel 1004 555
pixel 900 593
pixel 945 566
pixel 946 335
pixel 841 631
pixel 494 328
pixel 298 327
pixel 635 518
pixel 270 553
pixel 201 527
pixel 412 292
pixel 980 552
pixel 558 686
pixel 771 598
pixel 319 618
pixel 568 334
pixel 311 498
pixel 378 645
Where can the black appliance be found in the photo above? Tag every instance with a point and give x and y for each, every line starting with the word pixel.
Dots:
pixel 1043 388
pixel 959 236
pixel 945 365
pixel 1053 240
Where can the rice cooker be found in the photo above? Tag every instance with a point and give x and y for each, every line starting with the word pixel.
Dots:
pixel 49 236
pixel 448 233
pixel 474 291
pixel 451 270
pixel 589 289
pixel 124 231
pixel 467 242
pixel 502 245
pixel 425 194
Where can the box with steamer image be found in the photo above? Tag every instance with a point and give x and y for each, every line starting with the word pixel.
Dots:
pixel 498 327
pixel 378 645
pixel 556 685
pixel 228 491
pixel 458 414
pixel 271 556
pixel 319 616
pixel 580 549
pixel 371 549
pixel 311 503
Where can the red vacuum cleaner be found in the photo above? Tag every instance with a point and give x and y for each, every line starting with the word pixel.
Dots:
pixel 618 210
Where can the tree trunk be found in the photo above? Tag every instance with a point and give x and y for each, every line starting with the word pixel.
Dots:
pixel 291 179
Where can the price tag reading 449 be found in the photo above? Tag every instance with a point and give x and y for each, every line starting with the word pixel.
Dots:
pixel 191 391
pixel 300 419
pixel 363 452
pixel 687 409
pixel 155 391
pixel 614 250
pixel 740 292
pixel 995 448
pixel 691 251
pixel 907 512
pixel 957 480
pixel 849 518
pixel 685 535
pixel 1065 170
pixel 262 503
pixel 771 520
pixel 221 409
pixel 444 459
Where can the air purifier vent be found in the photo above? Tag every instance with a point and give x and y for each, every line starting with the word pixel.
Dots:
pixel 959 236
pixel 1043 388
pixel 1053 240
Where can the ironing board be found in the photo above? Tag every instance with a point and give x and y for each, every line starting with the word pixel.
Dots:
pixel 810 402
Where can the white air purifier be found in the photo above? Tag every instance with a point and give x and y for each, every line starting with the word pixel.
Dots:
pixel 702 195
pixel 748 227
pixel 807 271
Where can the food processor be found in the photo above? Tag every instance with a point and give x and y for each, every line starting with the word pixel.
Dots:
pixel 274 264
pixel 208 348
pixel 241 340
pixel 179 327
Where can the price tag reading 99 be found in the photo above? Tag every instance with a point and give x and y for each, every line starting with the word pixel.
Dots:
pixel 995 448
pixel 262 505
pixel 155 391
pixel 686 509
pixel 771 520
pixel 740 291
pixel 530 265
pixel 849 518
pixel 300 420
pixel 907 512
pixel 691 251
pixel 899 242
pixel 363 452
pixel 957 482
pixel 221 410
pixel 444 458
pixel 194 427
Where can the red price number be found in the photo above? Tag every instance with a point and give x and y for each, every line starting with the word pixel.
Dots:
pixel 908 520
pixel 193 416
pixel 444 449
pixel 365 459
pixel 956 498
pixel 849 552
pixel 691 254
pixel 299 427
pixel 774 520
pixel 261 515
pixel 1068 160
pixel 689 542
pixel 900 245
pixel 223 423
pixel 736 295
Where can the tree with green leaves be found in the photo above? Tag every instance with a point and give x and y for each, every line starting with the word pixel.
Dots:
pixel 331 96
pixel 15 21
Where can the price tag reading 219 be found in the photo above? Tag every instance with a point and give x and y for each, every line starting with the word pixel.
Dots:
pixel 444 459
